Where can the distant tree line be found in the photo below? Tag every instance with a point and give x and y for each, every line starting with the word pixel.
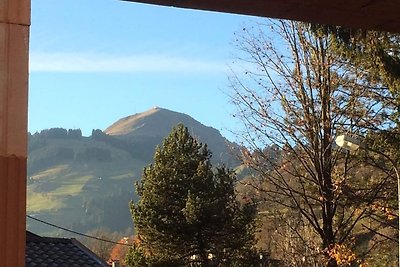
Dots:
pixel 100 136
pixel 94 154
pixel 65 154
pixel 138 149
pixel 59 133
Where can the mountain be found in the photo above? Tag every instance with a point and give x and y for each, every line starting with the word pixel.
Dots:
pixel 144 131
pixel 86 183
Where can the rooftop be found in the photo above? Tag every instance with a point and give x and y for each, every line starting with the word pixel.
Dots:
pixel 59 252
pixel 380 15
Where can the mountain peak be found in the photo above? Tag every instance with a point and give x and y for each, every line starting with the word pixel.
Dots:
pixel 149 122
pixel 153 125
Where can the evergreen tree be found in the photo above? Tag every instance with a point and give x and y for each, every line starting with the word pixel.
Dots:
pixel 375 55
pixel 188 214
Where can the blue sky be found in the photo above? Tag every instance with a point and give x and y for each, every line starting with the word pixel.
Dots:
pixel 93 62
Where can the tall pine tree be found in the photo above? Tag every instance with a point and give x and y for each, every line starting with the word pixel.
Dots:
pixel 188 213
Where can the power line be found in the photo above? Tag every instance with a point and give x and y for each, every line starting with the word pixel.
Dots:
pixel 77 233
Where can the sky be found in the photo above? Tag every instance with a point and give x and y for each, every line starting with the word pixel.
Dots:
pixel 94 62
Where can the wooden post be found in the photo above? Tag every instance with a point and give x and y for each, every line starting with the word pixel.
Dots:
pixel 14 45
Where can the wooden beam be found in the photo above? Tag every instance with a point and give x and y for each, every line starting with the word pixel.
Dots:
pixel 14 44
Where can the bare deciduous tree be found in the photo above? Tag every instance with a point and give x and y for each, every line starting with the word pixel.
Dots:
pixel 297 94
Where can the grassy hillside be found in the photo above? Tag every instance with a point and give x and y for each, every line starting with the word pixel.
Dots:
pixel 79 183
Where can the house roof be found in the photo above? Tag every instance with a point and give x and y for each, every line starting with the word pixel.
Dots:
pixel 59 252
pixel 380 15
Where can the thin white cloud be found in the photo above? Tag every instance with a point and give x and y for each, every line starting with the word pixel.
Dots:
pixel 90 63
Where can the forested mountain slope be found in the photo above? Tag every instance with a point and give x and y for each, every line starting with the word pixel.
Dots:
pixel 86 183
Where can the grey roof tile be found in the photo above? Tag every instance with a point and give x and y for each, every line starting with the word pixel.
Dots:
pixel 58 252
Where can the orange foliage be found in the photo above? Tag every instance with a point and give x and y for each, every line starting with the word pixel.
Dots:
pixel 118 252
pixel 344 256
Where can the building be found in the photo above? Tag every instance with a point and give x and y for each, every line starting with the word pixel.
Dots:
pixel 14 44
